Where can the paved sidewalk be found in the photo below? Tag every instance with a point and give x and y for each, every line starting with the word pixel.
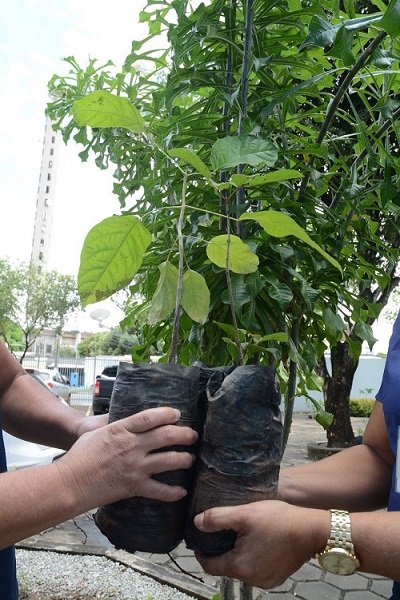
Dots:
pixel 181 569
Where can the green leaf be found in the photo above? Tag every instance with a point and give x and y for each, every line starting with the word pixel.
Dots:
pixel 314 382
pixel 164 299
pixel 365 333
pixel 237 150
pixel 111 255
pixel 343 45
pixel 230 330
pixel 321 33
pixel 192 159
pixel 276 337
pixel 195 296
pixel 278 291
pixel 278 224
pixel 241 258
pixel 272 177
pixel 390 21
pixel 102 109
pixel 334 322
pixel 324 418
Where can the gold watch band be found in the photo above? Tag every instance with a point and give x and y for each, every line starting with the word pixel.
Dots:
pixel 340 530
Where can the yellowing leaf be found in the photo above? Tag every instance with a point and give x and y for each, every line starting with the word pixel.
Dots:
pixel 241 258
pixel 195 296
pixel 164 299
pixel 102 109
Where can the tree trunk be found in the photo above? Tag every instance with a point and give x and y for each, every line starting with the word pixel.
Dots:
pixel 336 390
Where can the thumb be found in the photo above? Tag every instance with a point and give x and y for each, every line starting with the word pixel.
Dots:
pixel 216 519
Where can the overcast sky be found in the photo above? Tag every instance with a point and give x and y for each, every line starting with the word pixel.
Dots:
pixel 34 37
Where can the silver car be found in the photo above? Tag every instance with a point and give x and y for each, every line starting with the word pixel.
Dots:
pixel 57 383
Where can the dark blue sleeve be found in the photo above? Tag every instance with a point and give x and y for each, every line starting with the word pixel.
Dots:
pixel 389 391
pixel 8 577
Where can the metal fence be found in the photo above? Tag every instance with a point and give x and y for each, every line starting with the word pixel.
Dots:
pixel 81 372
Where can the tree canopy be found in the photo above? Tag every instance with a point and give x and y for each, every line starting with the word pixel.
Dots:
pixel 252 109
pixel 31 301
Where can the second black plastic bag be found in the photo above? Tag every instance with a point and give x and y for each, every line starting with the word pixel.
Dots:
pixel 239 455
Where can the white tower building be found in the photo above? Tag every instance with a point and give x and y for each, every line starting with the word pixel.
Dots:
pixel 45 197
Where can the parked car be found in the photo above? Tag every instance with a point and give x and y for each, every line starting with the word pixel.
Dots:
pixel 102 390
pixel 58 384
pixel 21 454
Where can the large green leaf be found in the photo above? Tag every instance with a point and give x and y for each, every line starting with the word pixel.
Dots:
pixel 241 258
pixel 280 225
pixel 323 33
pixel 164 299
pixel 364 332
pixel 231 151
pixel 195 296
pixel 103 109
pixel 334 322
pixel 192 159
pixel 279 291
pixel 111 255
pixel 390 21
pixel 266 178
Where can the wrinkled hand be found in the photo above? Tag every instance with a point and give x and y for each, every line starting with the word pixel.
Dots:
pixel 118 460
pixel 274 539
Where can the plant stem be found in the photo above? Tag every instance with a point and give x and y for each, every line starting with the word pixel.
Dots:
pixel 226 589
pixel 246 591
pixel 230 292
pixel 173 355
pixel 244 86
pixel 291 384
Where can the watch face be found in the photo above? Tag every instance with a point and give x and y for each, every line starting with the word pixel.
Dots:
pixel 338 561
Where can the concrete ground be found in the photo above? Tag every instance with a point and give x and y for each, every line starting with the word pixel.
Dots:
pixel 181 570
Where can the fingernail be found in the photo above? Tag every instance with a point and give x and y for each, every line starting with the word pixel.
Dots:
pixel 199 520
pixel 178 413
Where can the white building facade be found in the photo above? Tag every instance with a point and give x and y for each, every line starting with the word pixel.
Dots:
pixel 45 198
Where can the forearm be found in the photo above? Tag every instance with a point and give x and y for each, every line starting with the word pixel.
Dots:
pixel 25 488
pixel 31 412
pixel 355 479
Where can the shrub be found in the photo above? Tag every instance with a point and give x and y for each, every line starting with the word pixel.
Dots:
pixel 361 407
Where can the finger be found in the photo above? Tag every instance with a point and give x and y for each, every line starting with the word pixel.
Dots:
pixel 217 519
pixel 151 418
pixel 168 435
pixel 156 490
pixel 161 462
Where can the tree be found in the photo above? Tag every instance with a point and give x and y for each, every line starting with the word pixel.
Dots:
pixel 33 301
pixel 253 111
pixel 114 342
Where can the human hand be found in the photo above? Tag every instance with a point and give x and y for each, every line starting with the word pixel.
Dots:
pixel 274 539
pixel 118 460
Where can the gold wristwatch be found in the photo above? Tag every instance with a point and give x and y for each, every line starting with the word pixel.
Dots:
pixel 339 556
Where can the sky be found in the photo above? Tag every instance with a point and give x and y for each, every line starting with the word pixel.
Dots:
pixel 35 35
